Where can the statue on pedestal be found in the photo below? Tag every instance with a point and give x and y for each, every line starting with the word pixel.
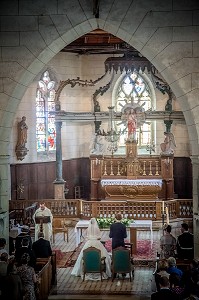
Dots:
pixel 97 145
pixel 21 150
pixel 134 117
pixel 168 144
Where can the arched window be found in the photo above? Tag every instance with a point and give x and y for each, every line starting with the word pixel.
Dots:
pixel 45 119
pixel 134 91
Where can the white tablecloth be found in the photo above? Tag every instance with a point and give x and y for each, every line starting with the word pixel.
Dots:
pixel 78 229
pixel 144 224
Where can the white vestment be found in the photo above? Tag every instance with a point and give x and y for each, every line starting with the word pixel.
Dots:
pixel 47 227
pixel 93 236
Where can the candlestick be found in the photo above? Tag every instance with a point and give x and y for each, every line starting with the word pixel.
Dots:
pixel 80 206
pixel 163 207
pixel 167 215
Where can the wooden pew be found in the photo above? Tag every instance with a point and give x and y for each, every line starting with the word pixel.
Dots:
pixel 183 264
pixel 46 272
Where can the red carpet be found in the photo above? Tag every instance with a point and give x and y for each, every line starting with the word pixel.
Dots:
pixel 145 256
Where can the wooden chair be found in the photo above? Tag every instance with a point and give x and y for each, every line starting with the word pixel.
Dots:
pixel 59 226
pixel 93 262
pixel 122 262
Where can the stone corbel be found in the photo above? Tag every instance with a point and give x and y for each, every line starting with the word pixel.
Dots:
pixel 21 152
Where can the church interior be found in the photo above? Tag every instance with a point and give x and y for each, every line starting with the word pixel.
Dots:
pixel 99 116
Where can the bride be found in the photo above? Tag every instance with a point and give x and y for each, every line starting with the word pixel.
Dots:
pixel 93 240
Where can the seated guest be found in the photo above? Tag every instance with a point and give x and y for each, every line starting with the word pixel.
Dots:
pixel 11 246
pixel 190 276
pixel 164 293
pixel 173 268
pixel 162 267
pixel 12 287
pixel 3 268
pixel 2 246
pixel 25 233
pixel 175 285
pixel 25 249
pixel 167 243
pixel 3 264
pixel 185 243
pixel 93 240
pixel 41 247
pixel 28 277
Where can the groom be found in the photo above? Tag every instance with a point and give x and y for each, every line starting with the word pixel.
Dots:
pixel 118 232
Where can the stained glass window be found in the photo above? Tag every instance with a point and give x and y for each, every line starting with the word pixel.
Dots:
pixel 45 119
pixel 134 91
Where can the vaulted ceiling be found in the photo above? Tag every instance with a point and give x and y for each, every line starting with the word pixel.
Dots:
pixel 100 42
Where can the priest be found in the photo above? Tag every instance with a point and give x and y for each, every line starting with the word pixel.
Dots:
pixel 45 225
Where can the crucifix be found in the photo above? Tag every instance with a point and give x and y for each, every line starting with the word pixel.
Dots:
pixel 96 8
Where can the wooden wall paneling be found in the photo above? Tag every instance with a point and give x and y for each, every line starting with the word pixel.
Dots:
pixel 22 177
pixel 85 176
pixel 33 191
pixel 33 173
pixel 41 172
pixel 67 176
pixel 50 171
pixel 42 190
pixel 183 177
pixel 13 182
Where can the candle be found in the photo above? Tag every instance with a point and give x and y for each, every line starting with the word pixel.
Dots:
pixel 163 207
pixel 80 206
pixel 167 215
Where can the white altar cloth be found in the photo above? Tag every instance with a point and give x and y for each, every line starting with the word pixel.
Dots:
pixel 150 182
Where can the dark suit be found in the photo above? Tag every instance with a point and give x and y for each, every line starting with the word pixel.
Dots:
pixel 185 245
pixel 42 248
pixel 118 234
pixel 164 294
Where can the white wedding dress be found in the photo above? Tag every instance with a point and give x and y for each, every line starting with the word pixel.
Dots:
pixel 93 236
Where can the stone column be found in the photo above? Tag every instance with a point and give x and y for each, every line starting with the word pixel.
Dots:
pixel 195 173
pixel 59 183
pixel 4 197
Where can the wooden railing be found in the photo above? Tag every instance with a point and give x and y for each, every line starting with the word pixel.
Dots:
pixel 77 208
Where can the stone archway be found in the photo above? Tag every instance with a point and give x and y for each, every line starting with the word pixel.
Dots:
pixel 149 28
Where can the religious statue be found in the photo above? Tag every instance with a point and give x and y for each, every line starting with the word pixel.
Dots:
pixel 22 132
pixel 21 149
pixel 168 144
pixel 131 123
pixel 97 145
pixel 133 115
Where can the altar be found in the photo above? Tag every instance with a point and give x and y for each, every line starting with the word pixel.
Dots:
pixel 140 225
pixel 141 189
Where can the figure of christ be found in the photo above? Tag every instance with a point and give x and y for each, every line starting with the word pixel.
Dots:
pixel 131 123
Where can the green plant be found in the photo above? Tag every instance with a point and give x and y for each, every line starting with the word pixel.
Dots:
pixel 106 222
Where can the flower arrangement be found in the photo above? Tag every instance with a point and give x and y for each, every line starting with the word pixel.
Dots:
pixel 106 222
